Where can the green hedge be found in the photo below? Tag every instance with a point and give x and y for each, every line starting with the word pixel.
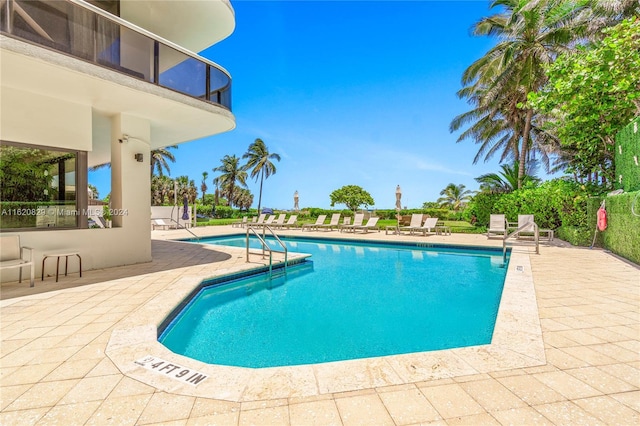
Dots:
pixel 628 147
pixel 622 235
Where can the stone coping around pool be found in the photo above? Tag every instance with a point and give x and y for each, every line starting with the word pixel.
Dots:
pixel 517 343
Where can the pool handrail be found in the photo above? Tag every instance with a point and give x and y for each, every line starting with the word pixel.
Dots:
pixel 265 246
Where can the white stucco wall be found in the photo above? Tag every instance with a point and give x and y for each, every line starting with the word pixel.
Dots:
pixel 40 120
pixel 129 242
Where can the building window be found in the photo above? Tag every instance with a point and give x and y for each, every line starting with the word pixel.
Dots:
pixel 41 188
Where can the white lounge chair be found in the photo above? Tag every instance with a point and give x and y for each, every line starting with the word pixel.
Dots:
pixel 428 226
pixel 260 220
pixel 370 225
pixel 270 219
pixel 240 223
pixel 160 223
pixel 312 226
pixel 280 220
pixel 416 223
pixel 357 221
pixel 334 223
pixel 12 255
pixel 497 225
pixel 290 223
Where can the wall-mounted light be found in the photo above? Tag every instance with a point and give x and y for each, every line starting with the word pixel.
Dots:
pixel 139 157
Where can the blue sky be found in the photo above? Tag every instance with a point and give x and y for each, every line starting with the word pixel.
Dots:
pixel 348 93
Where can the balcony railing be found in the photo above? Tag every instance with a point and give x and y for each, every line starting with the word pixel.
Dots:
pixel 86 32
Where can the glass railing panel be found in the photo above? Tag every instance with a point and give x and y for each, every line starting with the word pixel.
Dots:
pixel 219 87
pixel 82 32
pixel 182 73
pixel 132 53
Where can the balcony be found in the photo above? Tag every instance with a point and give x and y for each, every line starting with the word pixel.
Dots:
pixel 88 33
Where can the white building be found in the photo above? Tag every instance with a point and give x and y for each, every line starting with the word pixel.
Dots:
pixel 89 82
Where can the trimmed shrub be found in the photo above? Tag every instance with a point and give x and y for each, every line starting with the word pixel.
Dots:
pixel 628 147
pixel 622 235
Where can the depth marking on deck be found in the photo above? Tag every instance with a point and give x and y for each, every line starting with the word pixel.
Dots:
pixel 171 370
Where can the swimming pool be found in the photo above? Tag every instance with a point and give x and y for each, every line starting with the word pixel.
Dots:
pixel 355 300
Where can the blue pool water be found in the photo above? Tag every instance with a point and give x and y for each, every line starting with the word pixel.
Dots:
pixel 354 300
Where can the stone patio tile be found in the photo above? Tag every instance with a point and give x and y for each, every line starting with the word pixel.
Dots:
pixel 521 416
pixel 71 370
pixel 363 410
pixel 164 407
pixel 119 411
pixel 589 355
pixel 630 399
pixel 130 387
pixel 566 385
pixel 207 406
pixel 222 419
pixel 71 414
pixel 600 380
pixel 45 394
pixel 567 413
pixel 616 351
pixel 492 395
pixel 408 407
pixel 29 374
pixel 318 413
pixel 609 410
pixel 265 403
pixel 452 401
pixel 91 389
pixel 562 360
pixel 624 372
pixel 265 416
pixel 8 394
pixel 484 419
pixel 531 390
pixel 22 417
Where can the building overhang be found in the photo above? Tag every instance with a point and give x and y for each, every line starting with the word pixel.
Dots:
pixel 175 118
pixel 194 24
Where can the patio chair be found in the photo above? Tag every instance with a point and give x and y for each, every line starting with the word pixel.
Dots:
pixel 497 225
pixel 416 223
pixel 240 223
pixel 270 219
pixel 312 226
pixel 357 221
pixel 160 223
pixel 428 226
pixel 334 223
pixel 528 226
pixel 280 220
pixel 12 255
pixel 371 224
pixel 260 220
pixel 290 223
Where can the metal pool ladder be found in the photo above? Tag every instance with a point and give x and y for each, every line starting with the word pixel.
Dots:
pixel 265 246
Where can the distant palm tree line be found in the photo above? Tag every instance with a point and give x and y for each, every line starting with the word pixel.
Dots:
pixel 531 34
pixel 233 174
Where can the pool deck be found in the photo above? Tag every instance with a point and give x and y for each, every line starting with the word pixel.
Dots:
pixel 565 350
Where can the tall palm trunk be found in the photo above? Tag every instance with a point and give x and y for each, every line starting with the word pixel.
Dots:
pixel 260 196
pixel 525 147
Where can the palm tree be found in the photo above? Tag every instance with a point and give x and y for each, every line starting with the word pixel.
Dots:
pixel 203 185
pixel 160 158
pixel 232 175
pixel 455 196
pixel 531 33
pixel 506 180
pixel 260 163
